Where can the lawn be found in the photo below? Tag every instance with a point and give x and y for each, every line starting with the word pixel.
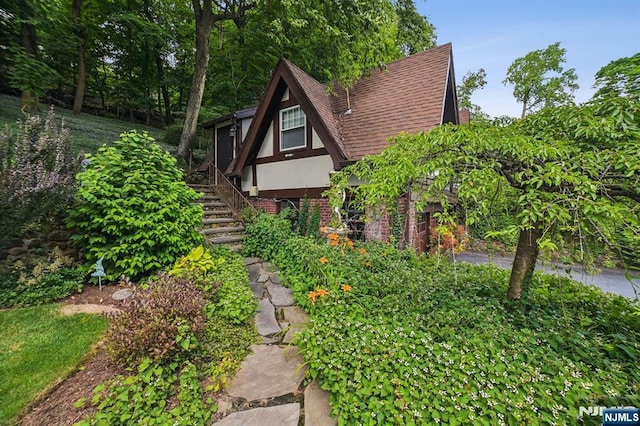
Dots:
pixel 87 131
pixel 38 348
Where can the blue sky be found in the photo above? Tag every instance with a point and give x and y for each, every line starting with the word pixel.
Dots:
pixel 492 33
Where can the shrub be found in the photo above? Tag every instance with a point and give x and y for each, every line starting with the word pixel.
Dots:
pixel 172 134
pixel 266 236
pixel 39 280
pixel 134 209
pixel 313 230
pixel 37 170
pixel 164 323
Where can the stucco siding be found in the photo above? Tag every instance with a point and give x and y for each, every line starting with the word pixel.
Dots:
pixel 266 148
pixel 316 142
pixel 312 172
pixel 247 178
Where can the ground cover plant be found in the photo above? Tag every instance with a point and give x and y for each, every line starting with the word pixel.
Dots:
pixel 38 348
pixel 180 340
pixel 402 339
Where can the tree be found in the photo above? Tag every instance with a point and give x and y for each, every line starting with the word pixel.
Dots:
pixel 207 13
pixel 415 33
pixel 539 80
pixel 472 81
pixel 619 78
pixel 575 168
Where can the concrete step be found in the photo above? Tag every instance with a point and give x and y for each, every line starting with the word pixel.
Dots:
pixel 229 239
pixel 218 221
pixel 214 204
pixel 223 230
pixel 223 213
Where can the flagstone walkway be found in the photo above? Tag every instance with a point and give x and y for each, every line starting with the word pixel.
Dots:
pixel 269 389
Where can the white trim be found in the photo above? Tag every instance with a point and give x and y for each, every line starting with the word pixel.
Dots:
pixel 304 128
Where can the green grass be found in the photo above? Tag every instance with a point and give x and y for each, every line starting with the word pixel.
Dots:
pixel 87 131
pixel 38 347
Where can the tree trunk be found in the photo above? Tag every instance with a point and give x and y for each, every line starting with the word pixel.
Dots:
pixel 204 21
pixel 78 101
pixel 525 261
pixel 29 43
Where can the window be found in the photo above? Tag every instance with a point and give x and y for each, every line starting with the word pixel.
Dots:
pixel 293 129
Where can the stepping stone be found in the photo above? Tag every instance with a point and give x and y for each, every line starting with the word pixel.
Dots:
pixel 271 371
pixel 275 278
pixel 268 266
pixel 258 290
pixel 125 293
pixel 263 278
pixel 254 271
pixel 317 411
pixel 295 315
pixel 280 415
pixel 280 296
pixel 266 318
pixel 291 333
pixel 251 260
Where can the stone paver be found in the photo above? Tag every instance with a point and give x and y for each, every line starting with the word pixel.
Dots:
pixel 254 272
pixel 258 290
pixel 281 415
pixel 266 318
pixel 125 293
pixel 274 277
pixel 263 278
pixel 316 407
pixel 269 372
pixel 280 296
pixel 251 260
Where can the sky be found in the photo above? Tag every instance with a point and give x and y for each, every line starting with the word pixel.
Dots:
pixel 491 34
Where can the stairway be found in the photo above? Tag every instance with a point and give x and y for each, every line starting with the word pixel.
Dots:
pixel 219 226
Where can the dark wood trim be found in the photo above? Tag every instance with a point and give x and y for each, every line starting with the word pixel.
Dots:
pixel 291 193
pixel 254 174
pixel 292 155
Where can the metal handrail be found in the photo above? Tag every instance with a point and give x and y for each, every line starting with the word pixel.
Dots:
pixel 228 192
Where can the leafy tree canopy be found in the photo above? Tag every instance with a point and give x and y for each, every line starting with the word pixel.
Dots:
pixel 539 79
pixel 576 169
pixel 619 78
pixel 472 81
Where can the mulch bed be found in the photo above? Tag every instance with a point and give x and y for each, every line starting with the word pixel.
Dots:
pixel 57 408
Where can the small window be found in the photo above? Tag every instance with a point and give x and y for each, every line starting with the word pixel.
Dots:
pixel 293 129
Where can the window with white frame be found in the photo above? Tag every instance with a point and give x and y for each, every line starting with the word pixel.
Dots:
pixel 293 128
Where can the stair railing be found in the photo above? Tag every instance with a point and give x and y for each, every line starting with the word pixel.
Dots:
pixel 228 192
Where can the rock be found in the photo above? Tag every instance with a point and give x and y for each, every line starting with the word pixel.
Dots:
pixel 258 290
pixel 274 278
pixel 33 243
pixel 317 411
pixel 254 272
pixel 295 315
pixel 270 372
pixel 280 415
pixel 17 251
pixel 266 319
pixel 16 242
pixel 263 278
pixel 251 260
pixel 125 293
pixel 280 296
pixel 59 235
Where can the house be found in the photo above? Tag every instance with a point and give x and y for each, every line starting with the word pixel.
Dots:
pixel 304 130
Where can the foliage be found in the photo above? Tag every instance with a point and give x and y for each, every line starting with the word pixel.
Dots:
pixel 127 399
pixel 619 78
pixel 39 280
pixel 32 75
pixel 313 230
pixel 164 323
pixel 176 390
pixel 266 236
pixel 539 79
pixel 303 219
pixel 134 209
pixel 472 81
pixel 415 33
pixel 37 171
pixel 573 169
pixel 447 238
pixel 36 353
pixel 401 339
pixel 172 135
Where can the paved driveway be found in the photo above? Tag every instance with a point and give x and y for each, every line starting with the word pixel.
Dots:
pixel 611 280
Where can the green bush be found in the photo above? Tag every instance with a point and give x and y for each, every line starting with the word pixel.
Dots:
pixel 266 236
pixel 164 323
pixel 133 209
pixel 172 135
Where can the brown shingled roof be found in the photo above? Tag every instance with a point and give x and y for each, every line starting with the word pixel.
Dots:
pixel 407 96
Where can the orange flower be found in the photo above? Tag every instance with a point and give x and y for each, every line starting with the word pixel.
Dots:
pixel 312 296
pixel 323 260
pixel 323 229
pixel 346 288
pixel 349 243
pixel 334 243
pixel 333 237
pixel 362 251
pixel 367 263
pixel 321 292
